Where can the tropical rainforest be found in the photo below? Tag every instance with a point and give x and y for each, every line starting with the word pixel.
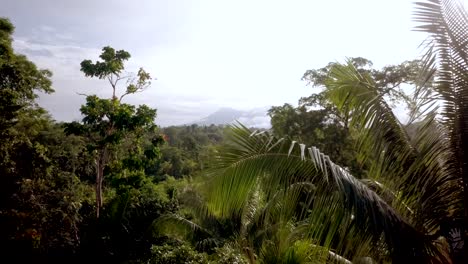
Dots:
pixel 339 178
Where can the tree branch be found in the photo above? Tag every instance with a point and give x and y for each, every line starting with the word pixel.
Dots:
pixel 82 94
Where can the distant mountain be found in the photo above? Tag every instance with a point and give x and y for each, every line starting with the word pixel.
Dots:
pixel 222 116
pixel 252 118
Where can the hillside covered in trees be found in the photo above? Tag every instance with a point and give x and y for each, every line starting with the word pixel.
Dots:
pixel 338 178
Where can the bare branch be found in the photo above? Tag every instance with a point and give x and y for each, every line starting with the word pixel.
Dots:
pixel 82 94
pixel 120 99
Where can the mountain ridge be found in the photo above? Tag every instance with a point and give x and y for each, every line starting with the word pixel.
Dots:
pixel 256 117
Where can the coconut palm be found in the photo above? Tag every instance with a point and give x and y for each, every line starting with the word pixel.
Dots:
pixel 412 197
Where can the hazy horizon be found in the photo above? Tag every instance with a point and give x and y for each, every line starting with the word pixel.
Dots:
pixel 207 54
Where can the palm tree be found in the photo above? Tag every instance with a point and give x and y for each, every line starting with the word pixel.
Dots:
pixel 413 196
pixel 257 232
pixel 333 215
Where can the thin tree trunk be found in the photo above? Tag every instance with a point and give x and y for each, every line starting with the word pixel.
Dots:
pixel 99 179
pixel 99 191
pixel 97 187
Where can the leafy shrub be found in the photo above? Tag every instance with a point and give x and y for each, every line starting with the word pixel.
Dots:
pixel 179 253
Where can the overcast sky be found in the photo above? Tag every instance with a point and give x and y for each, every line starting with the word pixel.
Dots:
pixel 207 54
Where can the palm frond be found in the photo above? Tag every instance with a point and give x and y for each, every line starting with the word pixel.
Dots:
pixel 414 168
pixel 176 224
pixel 252 156
pixel 446 22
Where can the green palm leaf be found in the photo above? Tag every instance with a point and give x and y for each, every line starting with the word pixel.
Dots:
pixel 446 62
pixel 278 163
pixel 414 168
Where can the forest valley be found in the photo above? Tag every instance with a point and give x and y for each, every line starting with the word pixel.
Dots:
pixel 337 179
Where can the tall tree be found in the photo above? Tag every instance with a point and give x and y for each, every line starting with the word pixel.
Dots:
pixel 317 121
pixel 107 122
pixel 20 79
pixel 39 200
pixel 319 127
pixel 389 82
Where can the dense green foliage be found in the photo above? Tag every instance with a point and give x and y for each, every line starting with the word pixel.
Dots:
pixel 337 179
pixel 188 149
pixel 50 171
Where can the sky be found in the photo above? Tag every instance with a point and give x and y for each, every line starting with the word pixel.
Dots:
pixel 207 54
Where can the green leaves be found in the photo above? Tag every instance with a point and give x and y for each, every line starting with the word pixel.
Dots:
pixel 108 122
pixel 111 69
pixel 107 116
pixel 318 127
pixel 20 79
pixel 446 67
pixel 388 80
pixel 113 63
pixel 416 168
pixel 258 158
pixel 137 84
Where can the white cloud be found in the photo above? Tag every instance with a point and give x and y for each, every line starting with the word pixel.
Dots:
pixel 62 59
pixel 209 53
